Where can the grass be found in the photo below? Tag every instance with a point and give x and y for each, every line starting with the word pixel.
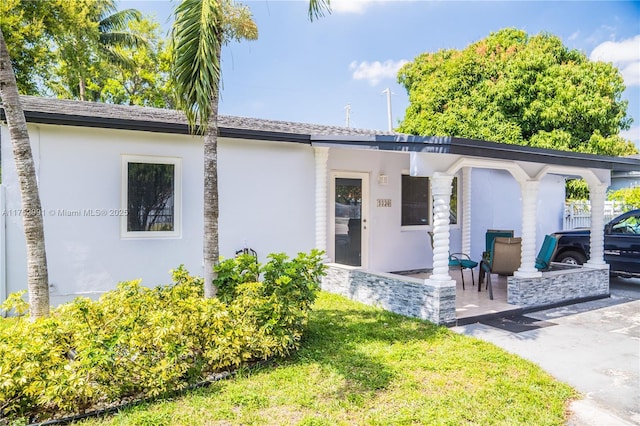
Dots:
pixel 361 365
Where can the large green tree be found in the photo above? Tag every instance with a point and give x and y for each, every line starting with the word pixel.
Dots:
pixel 201 28
pixel 99 36
pixel 28 28
pixel 515 88
pixel 146 82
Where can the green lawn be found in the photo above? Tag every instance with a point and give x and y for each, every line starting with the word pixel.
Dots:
pixel 361 365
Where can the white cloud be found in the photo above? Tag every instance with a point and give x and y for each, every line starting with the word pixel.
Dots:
pixel 376 71
pixel 617 51
pixel 623 54
pixel 631 74
pixel 574 36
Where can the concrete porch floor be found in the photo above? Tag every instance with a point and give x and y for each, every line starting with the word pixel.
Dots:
pixel 471 304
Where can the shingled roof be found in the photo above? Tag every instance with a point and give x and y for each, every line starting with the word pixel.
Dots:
pixel 94 114
pixel 101 115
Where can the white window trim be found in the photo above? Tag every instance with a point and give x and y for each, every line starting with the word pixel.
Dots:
pixel 429 227
pixel 177 206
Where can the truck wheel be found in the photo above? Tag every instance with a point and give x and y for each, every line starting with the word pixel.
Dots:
pixel 572 258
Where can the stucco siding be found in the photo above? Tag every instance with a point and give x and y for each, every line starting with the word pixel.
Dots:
pixel 391 248
pixel 266 202
pixel 267 197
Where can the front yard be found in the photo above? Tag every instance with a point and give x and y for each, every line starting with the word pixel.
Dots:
pixel 361 365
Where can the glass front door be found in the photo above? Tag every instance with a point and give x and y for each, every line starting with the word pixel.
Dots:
pixel 348 221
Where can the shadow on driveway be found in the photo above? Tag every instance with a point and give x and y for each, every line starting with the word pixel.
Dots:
pixel 593 346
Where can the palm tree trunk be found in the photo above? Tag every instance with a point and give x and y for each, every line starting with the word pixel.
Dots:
pixel 211 250
pixel 37 275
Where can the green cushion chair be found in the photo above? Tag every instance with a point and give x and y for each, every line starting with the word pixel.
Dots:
pixel 462 261
pixel 548 249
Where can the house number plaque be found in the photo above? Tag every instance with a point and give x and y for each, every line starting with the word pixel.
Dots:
pixel 384 202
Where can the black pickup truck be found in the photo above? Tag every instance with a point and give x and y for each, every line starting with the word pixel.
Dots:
pixel 621 245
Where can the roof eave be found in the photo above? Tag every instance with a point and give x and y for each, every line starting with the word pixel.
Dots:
pixel 38 117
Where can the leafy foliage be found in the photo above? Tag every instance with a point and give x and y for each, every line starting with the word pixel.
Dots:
pixel 97 38
pixel 514 88
pixel 88 50
pixel 200 29
pixel 138 342
pixel 630 197
pixel 577 189
pixel 28 28
pixel 146 81
pixel 361 365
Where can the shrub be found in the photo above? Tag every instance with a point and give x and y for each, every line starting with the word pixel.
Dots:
pixel 630 197
pixel 137 342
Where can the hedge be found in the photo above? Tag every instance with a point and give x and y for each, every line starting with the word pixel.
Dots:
pixel 137 342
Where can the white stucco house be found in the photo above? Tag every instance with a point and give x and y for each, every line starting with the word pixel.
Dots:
pixel 121 190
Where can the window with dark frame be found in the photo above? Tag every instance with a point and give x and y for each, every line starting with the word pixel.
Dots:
pixel 416 201
pixel 150 197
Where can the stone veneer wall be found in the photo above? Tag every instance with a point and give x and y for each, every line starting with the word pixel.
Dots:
pixel 558 286
pixel 408 296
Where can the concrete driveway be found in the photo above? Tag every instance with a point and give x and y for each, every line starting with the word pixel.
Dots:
pixel 593 346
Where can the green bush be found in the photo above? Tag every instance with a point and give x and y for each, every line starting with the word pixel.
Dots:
pixel 136 342
pixel 630 197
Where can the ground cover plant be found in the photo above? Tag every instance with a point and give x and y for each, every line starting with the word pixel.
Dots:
pixel 361 365
pixel 137 342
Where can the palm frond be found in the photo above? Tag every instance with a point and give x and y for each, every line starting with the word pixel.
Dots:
pixel 118 21
pixel 118 58
pixel 317 8
pixel 122 39
pixel 197 35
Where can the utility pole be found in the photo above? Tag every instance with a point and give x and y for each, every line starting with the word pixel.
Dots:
pixel 389 120
pixel 348 113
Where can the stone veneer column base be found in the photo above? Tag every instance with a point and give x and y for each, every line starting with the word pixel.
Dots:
pixel 558 286
pixel 429 300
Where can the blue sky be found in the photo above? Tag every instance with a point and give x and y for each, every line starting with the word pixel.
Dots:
pixel 310 71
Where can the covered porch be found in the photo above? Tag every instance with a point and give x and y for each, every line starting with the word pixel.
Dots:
pixel 436 296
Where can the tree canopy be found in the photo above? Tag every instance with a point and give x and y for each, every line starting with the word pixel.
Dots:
pixel 28 28
pixel 87 50
pixel 515 88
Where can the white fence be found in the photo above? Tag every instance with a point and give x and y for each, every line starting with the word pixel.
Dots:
pixel 577 214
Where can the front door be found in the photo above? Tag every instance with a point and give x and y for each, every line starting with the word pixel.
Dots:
pixel 350 227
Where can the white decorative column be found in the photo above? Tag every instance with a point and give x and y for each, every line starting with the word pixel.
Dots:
pixel 441 188
pixel 529 190
pixel 466 209
pixel 597 195
pixel 321 156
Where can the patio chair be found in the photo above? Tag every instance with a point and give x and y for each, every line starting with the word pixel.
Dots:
pixel 548 249
pixel 463 261
pixel 505 260
pixel 460 260
pixel 490 235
